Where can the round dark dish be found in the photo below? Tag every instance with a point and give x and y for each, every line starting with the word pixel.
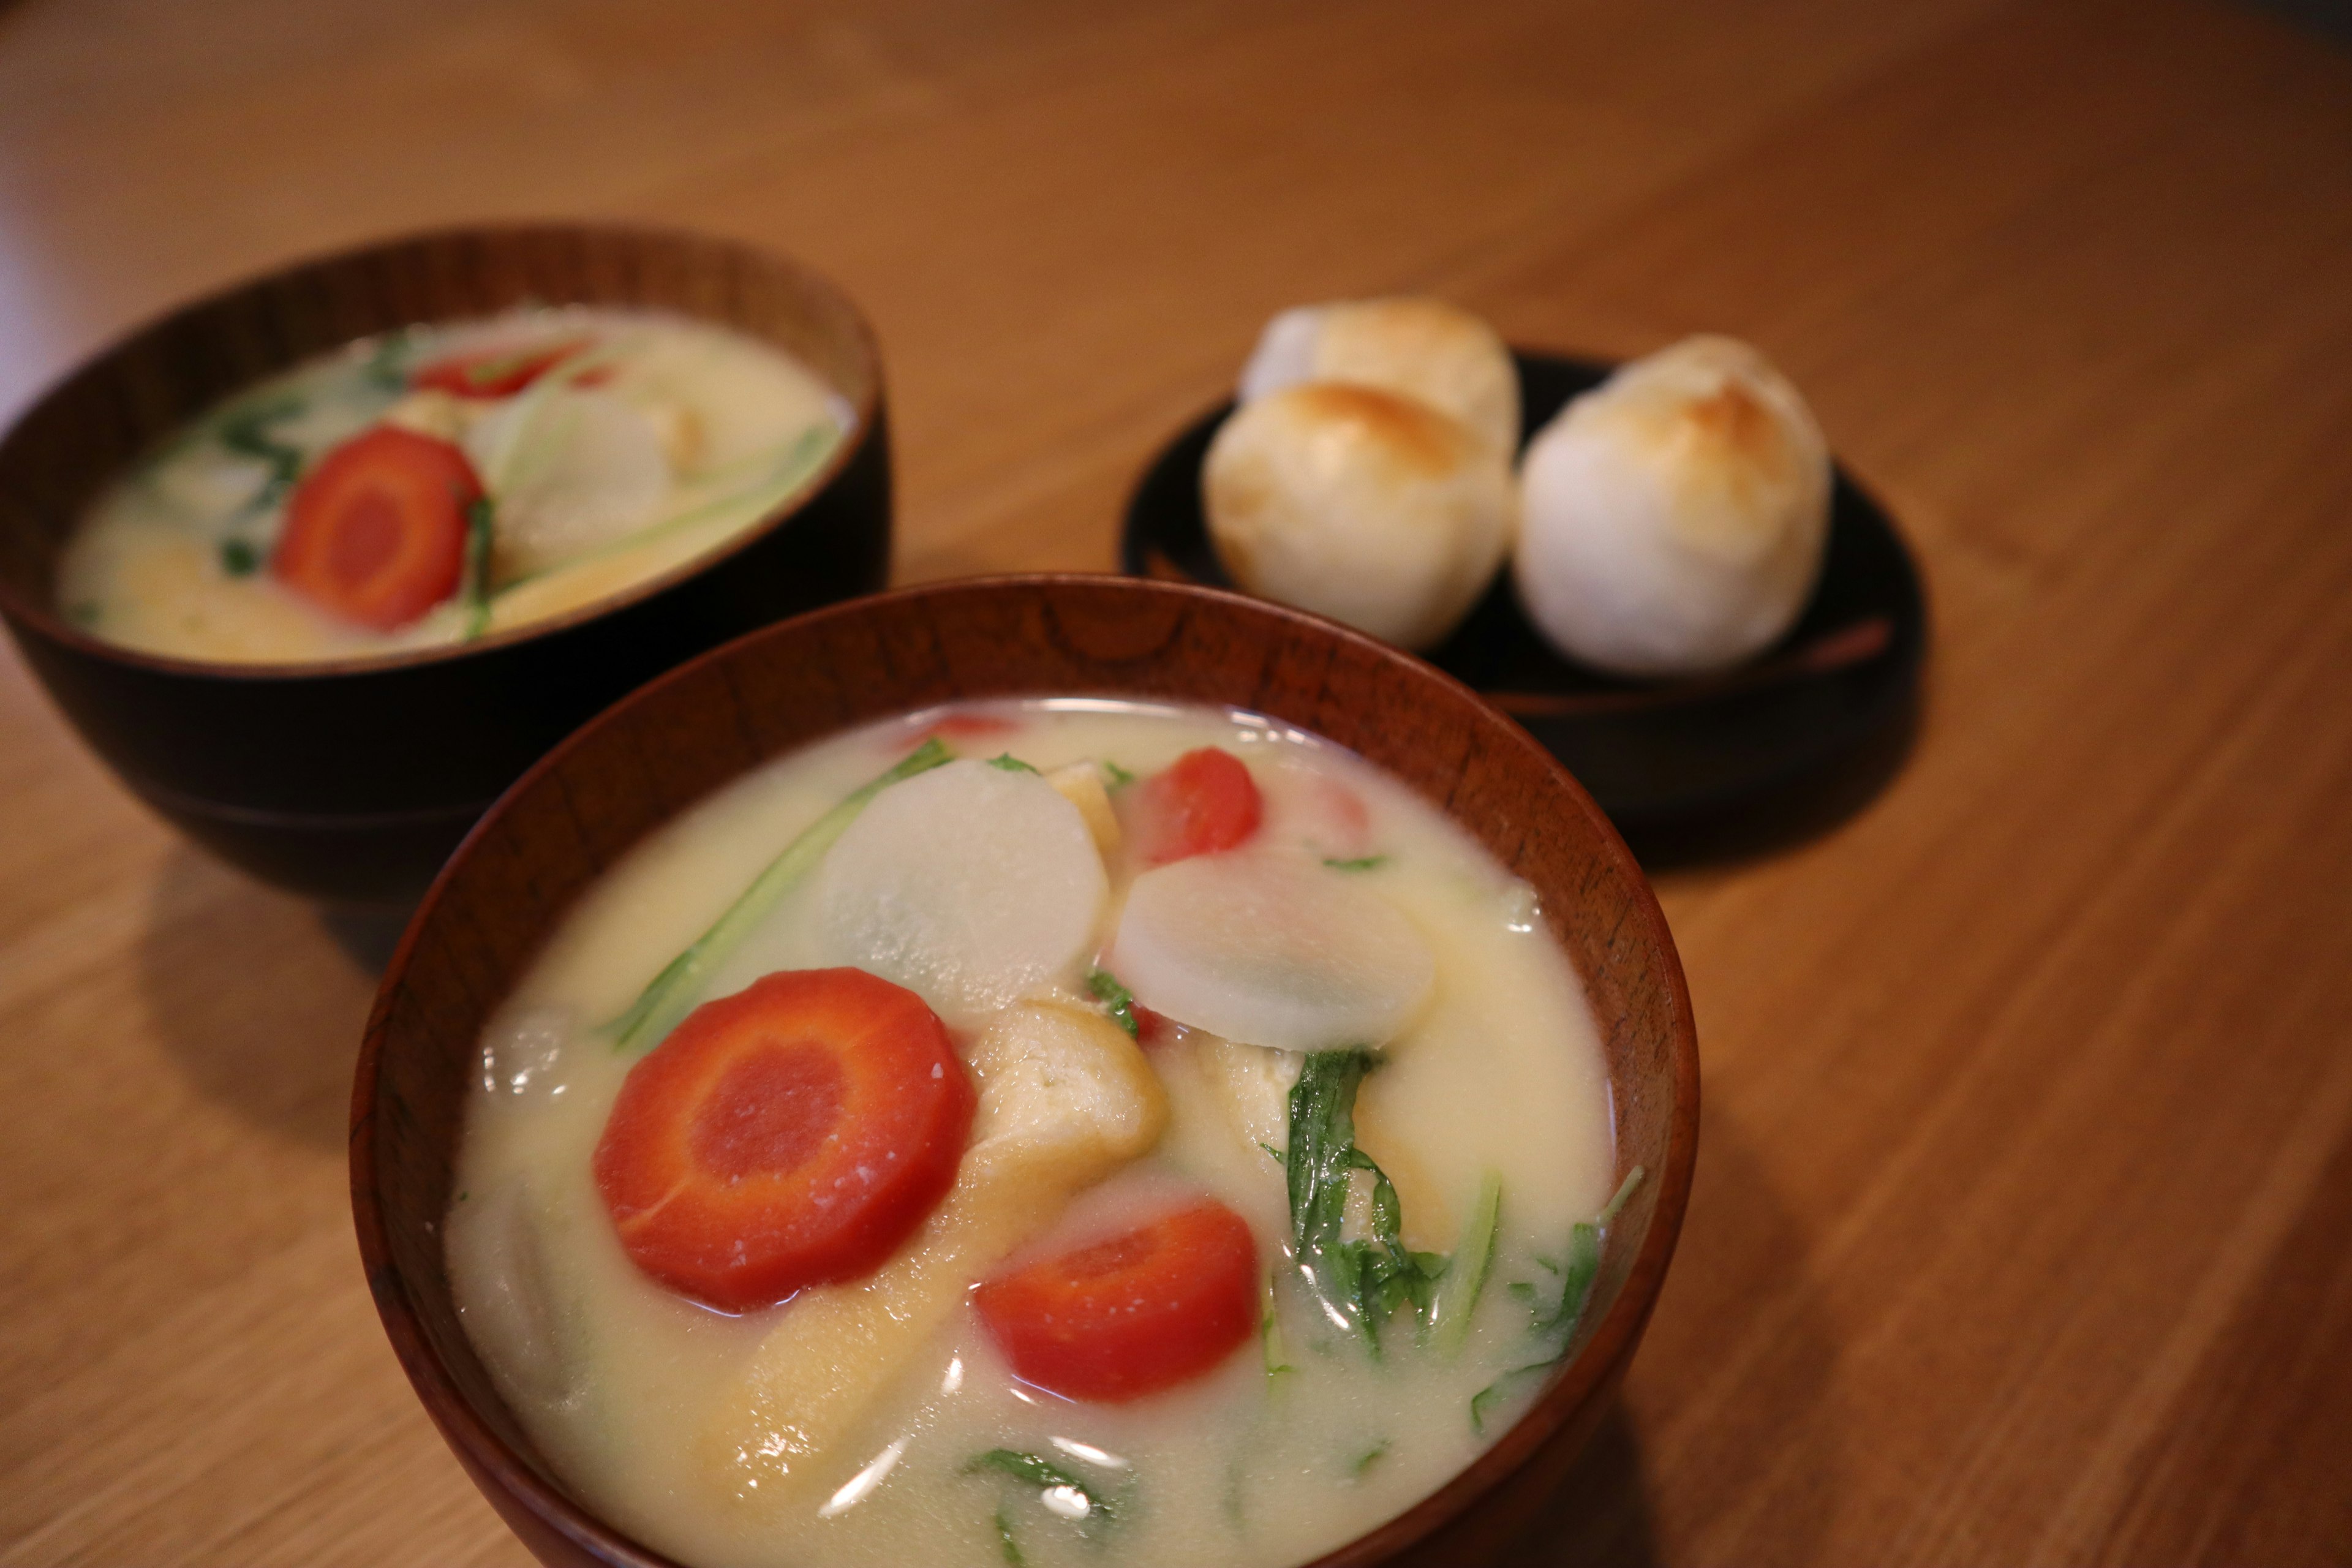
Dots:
pixel 352 782
pixel 1656 756
pixel 702 726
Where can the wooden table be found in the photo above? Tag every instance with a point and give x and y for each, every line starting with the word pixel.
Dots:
pixel 2023 1222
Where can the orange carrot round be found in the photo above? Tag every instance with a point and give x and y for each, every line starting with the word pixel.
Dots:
pixel 1203 802
pixel 376 532
pixel 1160 1305
pixel 793 1134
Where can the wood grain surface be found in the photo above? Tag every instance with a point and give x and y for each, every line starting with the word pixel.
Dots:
pixel 2023 1227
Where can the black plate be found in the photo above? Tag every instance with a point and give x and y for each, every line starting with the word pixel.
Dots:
pixel 1838 690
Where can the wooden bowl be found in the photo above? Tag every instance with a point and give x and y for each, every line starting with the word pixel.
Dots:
pixel 696 728
pixel 352 780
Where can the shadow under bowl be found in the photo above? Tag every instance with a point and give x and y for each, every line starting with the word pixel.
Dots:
pixel 653 756
pixel 351 782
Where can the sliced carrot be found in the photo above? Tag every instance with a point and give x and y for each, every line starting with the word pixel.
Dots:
pixel 974 726
pixel 1203 802
pixel 793 1134
pixel 376 532
pixel 494 372
pixel 1133 1315
pixel 1151 1028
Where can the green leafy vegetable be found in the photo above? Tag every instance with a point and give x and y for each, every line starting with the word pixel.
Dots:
pixel 1486 1397
pixel 1269 1333
pixel 1624 1195
pixel 1118 776
pixel 1579 1268
pixel 387 363
pixel 1116 999
pixel 1358 1283
pixel 1360 863
pixel 1005 1542
pixel 240 557
pixel 670 994
pixel 1010 763
pixel 245 430
pixel 1555 1319
pixel 1466 1277
pixel 1368 1457
pixel 482 524
pixel 1044 1475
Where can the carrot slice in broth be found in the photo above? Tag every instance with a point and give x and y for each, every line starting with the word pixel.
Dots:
pixel 793 1134
pixel 1203 802
pixel 376 532
pixel 1140 1313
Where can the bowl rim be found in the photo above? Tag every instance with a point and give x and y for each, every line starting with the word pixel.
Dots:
pixel 38 613
pixel 1596 1362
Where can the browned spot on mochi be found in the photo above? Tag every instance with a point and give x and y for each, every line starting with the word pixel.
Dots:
pixel 1744 430
pixel 1415 434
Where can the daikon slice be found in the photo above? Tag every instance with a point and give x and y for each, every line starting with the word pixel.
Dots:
pixel 970 885
pixel 571 471
pixel 1272 950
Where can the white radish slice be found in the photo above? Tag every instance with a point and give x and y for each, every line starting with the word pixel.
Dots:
pixel 1272 950
pixel 569 470
pixel 499 1246
pixel 973 886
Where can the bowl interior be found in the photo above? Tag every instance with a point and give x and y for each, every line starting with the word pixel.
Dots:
pixel 703 725
pixel 94 424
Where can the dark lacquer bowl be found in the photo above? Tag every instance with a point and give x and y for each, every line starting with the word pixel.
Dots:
pixel 699 727
pixel 352 781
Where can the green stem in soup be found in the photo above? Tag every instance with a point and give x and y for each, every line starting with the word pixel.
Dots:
pixel 1465 1274
pixel 240 557
pixel 1360 863
pixel 1007 1543
pixel 386 367
pixel 1118 778
pixel 1502 1388
pixel 1556 1320
pixel 670 994
pixel 1269 1330
pixel 1117 1000
pixel 1358 1283
pixel 1065 1493
pixel 1005 762
pixel 245 430
pixel 481 529
pixel 1580 1267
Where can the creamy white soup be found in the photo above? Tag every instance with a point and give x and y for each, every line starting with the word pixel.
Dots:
pixel 447 482
pixel 1050 1133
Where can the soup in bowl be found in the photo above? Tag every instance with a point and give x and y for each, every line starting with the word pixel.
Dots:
pixel 1004 1070
pixel 321 564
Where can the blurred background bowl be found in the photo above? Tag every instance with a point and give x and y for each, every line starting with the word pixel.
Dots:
pixel 352 781
pixel 639 765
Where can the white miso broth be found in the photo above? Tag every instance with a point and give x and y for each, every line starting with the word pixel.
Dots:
pixel 880 1419
pixel 447 482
